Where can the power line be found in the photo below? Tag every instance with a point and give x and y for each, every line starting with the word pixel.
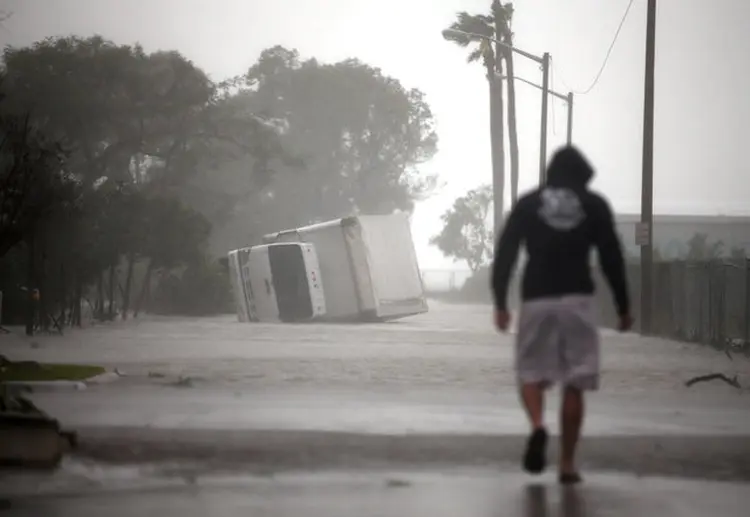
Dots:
pixel 606 57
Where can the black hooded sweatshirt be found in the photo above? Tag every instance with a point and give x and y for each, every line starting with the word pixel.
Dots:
pixel 559 225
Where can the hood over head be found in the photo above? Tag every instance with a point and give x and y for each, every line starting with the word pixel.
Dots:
pixel 569 168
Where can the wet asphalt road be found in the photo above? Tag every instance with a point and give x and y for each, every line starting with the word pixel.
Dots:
pixel 464 493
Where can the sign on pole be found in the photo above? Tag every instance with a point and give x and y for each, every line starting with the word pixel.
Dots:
pixel 642 234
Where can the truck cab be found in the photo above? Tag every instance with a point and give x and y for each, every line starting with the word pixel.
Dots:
pixel 278 282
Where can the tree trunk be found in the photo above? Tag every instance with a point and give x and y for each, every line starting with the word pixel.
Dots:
pixel 62 300
pixel 128 284
pixel 30 281
pixel 512 127
pixel 498 145
pixel 99 309
pixel 111 286
pixel 77 297
pixel 43 298
pixel 145 289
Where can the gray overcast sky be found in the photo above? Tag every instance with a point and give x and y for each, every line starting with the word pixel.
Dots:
pixel 702 83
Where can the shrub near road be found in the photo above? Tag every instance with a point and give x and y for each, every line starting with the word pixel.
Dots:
pixel 31 371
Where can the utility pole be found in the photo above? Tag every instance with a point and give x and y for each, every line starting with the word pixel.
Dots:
pixel 647 180
pixel 543 136
pixel 497 118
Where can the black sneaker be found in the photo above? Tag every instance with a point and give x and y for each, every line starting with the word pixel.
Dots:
pixel 570 478
pixel 535 458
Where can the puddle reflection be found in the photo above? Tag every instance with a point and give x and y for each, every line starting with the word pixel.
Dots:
pixel 571 503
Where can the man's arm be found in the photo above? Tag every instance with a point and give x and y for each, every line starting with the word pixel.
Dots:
pixel 611 257
pixel 506 253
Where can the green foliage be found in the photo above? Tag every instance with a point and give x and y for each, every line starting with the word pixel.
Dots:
pixel 359 136
pixel 477 287
pixel 176 235
pixel 466 233
pixel 131 116
pixel 29 371
pixel 136 128
pixel 156 154
pixel 478 31
pixel 33 181
pixel 461 32
pixel 738 254
pixel 701 248
pixel 203 289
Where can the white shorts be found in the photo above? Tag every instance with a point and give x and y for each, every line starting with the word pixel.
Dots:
pixel 558 341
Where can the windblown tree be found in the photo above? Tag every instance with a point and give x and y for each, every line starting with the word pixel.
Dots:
pixel 130 116
pixel 361 135
pixel 137 128
pixel 33 180
pixel 738 254
pixel 358 136
pixel 35 188
pixel 467 231
pixel 700 248
pixel 477 31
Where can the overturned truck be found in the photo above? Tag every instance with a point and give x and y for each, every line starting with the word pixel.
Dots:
pixel 359 268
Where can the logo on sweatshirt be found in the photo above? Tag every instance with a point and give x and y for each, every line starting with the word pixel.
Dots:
pixel 561 209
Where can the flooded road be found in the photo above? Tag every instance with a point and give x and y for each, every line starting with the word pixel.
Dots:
pixel 431 393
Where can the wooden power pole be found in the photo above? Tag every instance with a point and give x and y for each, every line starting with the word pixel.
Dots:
pixel 646 233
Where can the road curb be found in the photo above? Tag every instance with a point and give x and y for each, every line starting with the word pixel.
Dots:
pixel 104 378
pixel 721 458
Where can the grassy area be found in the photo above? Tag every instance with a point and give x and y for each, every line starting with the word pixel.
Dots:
pixel 32 371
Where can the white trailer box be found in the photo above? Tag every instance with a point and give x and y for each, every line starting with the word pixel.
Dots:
pixel 368 266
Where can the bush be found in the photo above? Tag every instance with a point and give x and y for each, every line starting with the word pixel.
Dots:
pixel 13 276
pixel 203 289
pixel 476 289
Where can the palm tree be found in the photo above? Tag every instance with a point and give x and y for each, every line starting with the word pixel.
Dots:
pixel 485 28
pixel 503 15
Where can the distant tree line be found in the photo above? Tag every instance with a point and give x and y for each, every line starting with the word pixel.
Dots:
pixel 700 248
pixel 123 173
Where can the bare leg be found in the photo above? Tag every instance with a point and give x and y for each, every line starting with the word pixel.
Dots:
pixel 532 396
pixel 571 418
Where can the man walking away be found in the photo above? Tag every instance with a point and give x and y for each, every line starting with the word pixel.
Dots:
pixel 557 339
